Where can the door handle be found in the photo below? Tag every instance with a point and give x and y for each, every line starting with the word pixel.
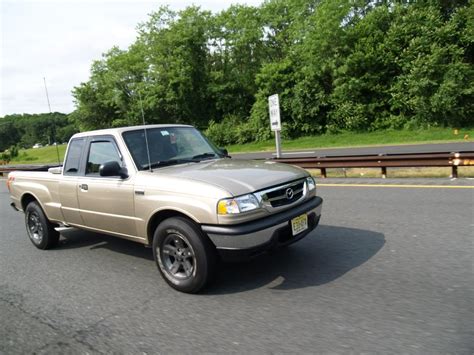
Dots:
pixel 84 187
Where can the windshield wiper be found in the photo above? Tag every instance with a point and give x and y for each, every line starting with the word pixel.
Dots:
pixel 195 159
pixel 167 163
pixel 204 156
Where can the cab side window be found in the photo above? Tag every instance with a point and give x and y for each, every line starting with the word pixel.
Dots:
pixel 73 158
pixel 101 152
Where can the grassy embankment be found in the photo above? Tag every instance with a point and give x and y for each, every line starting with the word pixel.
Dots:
pixel 351 139
pixel 40 155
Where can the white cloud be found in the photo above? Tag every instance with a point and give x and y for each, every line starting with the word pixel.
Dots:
pixel 60 39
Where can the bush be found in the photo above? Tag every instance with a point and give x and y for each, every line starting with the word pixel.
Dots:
pixel 5 157
pixel 221 133
pixel 13 151
pixel 231 130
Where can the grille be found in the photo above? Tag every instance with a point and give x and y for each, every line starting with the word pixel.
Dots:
pixel 281 197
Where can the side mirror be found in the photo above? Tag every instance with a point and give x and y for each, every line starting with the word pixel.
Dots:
pixel 225 152
pixel 56 170
pixel 113 168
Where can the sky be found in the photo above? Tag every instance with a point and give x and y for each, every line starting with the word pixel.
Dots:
pixel 58 40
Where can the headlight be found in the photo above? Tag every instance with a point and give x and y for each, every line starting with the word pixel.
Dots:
pixel 311 184
pixel 237 205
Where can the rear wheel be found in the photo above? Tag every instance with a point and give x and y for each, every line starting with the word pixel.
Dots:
pixel 185 257
pixel 40 230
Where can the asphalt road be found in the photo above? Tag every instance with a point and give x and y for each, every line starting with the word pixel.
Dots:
pixel 394 149
pixel 390 270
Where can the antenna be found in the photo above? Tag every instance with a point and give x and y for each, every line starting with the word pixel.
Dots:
pixel 146 133
pixel 49 106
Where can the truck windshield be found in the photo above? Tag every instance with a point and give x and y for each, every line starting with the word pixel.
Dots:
pixel 169 146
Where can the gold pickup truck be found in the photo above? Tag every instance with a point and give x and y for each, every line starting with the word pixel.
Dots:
pixel 170 188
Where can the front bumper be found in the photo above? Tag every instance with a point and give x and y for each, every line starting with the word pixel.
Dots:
pixel 243 241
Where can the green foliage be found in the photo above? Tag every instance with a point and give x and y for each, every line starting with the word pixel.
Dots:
pixel 434 83
pixel 9 133
pixel 5 157
pixel 222 133
pixel 9 154
pixel 338 65
pixel 164 73
pixel 26 130
pixel 231 130
pixel 13 151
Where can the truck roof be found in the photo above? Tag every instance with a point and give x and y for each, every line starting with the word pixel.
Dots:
pixel 120 130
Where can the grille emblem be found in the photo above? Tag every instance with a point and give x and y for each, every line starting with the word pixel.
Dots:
pixel 289 193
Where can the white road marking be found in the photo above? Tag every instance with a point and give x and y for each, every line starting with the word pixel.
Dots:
pixel 293 153
pixel 400 186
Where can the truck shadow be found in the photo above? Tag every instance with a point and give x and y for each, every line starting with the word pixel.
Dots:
pixel 320 258
pixel 77 239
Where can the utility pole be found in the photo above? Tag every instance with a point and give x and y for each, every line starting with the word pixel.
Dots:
pixel 49 106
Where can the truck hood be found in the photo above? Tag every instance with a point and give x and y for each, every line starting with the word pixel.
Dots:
pixel 238 177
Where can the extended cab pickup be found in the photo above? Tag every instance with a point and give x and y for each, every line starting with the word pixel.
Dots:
pixel 168 187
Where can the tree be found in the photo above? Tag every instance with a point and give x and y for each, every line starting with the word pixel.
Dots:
pixel 27 129
pixel 434 83
pixel 337 65
pixel 236 54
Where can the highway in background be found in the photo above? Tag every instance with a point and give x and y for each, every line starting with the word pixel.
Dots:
pixel 388 270
pixel 393 149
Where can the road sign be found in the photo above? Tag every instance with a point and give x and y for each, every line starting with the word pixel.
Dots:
pixel 275 122
pixel 274 108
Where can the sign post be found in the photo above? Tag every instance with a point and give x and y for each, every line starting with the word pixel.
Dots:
pixel 275 122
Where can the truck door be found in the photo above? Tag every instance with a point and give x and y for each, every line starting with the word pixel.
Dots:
pixel 106 203
pixel 68 184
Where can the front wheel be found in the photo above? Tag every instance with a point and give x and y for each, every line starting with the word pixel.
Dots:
pixel 184 255
pixel 40 230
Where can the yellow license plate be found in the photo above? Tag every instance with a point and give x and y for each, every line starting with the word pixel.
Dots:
pixel 299 224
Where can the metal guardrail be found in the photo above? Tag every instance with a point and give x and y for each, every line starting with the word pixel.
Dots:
pixel 5 169
pixel 384 161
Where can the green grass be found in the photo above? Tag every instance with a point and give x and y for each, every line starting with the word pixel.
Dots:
pixel 349 139
pixel 40 155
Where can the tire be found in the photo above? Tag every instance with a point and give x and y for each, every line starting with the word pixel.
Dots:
pixel 40 230
pixel 184 255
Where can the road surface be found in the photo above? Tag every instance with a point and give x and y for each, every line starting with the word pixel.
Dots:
pixel 388 271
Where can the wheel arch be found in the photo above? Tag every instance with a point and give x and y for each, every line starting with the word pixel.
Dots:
pixel 28 197
pixel 160 216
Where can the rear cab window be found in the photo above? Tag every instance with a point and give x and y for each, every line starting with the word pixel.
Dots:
pixel 73 158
